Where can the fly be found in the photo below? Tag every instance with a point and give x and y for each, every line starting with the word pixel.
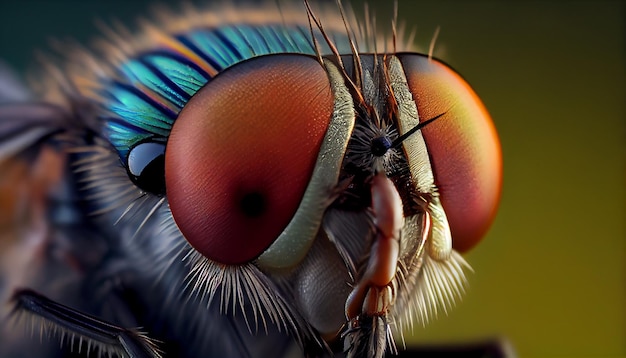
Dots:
pixel 242 181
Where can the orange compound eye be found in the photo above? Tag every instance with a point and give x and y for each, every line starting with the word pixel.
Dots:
pixel 463 147
pixel 241 153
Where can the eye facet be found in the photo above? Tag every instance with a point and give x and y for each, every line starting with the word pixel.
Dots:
pixel 146 166
pixel 242 151
pixel 463 147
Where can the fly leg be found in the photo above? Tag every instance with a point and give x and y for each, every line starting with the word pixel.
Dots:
pixel 79 329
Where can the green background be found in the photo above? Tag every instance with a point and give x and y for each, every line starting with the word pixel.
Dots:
pixel 551 274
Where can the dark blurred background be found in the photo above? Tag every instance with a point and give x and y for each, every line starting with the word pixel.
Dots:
pixel 551 274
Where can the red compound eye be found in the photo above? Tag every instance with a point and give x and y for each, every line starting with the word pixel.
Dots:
pixel 463 147
pixel 242 151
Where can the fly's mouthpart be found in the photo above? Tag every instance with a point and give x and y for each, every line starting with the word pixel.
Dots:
pixel 419 292
pixel 368 336
pixel 368 333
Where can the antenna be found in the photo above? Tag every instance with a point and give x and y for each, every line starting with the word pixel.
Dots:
pixel 396 143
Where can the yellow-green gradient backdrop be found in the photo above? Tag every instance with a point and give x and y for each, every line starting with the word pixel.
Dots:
pixel 551 274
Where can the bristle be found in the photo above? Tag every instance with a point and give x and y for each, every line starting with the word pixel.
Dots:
pixel 73 339
pixel 238 287
pixel 431 47
pixel 439 286
pixel 394 28
pixel 318 52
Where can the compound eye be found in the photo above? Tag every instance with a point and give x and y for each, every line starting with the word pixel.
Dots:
pixel 242 151
pixel 145 165
pixel 463 147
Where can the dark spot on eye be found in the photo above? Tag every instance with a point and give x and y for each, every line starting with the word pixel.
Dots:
pixel 253 204
pixel 152 178
pixel 380 146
